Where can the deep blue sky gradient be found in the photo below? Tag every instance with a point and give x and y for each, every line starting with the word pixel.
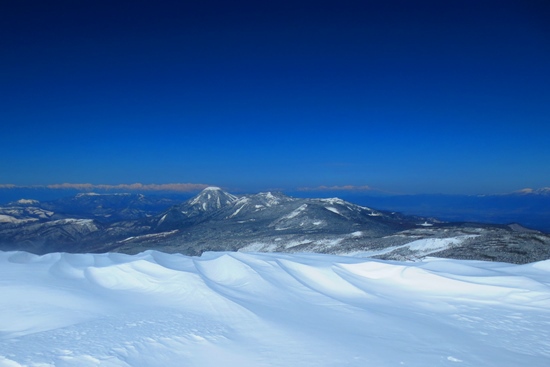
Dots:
pixel 403 96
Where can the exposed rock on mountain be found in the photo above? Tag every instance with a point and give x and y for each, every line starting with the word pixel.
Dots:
pixel 215 220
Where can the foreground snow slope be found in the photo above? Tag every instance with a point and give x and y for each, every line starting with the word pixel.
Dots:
pixel 241 309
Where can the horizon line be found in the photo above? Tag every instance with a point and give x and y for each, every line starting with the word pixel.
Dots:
pixel 194 187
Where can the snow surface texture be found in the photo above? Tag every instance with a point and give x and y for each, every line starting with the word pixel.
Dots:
pixel 242 309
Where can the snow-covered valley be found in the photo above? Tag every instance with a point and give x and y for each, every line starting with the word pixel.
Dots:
pixel 252 309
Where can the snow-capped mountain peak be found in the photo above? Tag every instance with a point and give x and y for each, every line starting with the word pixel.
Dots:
pixel 269 198
pixel 24 203
pixel 27 202
pixel 212 188
pixel 208 201
pixel 212 198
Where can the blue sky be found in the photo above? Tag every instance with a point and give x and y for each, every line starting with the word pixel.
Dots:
pixel 400 96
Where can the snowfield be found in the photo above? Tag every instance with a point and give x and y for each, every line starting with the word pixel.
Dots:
pixel 419 248
pixel 252 309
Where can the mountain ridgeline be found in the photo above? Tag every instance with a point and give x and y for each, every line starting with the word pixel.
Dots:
pixel 216 220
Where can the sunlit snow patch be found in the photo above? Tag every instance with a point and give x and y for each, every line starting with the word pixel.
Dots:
pixel 418 248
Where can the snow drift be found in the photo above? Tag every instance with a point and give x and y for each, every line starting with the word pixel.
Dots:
pixel 251 309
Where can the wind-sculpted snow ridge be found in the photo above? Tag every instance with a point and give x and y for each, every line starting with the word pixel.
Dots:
pixel 251 309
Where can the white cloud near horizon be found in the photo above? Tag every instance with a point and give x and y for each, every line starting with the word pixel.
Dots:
pixel 179 187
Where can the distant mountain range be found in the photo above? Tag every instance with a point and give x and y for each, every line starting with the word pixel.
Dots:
pixel 529 207
pixel 216 220
pixel 542 191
